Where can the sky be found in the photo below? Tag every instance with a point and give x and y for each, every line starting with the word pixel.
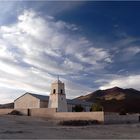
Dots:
pixel 91 45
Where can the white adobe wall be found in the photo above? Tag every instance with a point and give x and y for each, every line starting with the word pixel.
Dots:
pixel 58 87
pixel 53 103
pixel 99 116
pixel 58 101
pixel 62 103
pixel 69 107
pixel 87 108
pixel 27 101
pixel 43 104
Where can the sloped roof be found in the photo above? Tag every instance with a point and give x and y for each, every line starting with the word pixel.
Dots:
pixel 41 97
pixel 69 101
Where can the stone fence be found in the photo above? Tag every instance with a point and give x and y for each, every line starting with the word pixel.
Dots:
pixel 80 116
pixel 111 118
pixel 50 113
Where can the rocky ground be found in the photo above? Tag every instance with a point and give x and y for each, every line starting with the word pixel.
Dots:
pixel 24 127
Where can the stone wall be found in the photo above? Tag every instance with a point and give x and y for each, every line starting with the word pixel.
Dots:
pixel 43 104
pixel 5 111
pixel 110 118
pixel 79 116
pixel 22 111
pixel 51 113
pixel 105 117
pixel 42 112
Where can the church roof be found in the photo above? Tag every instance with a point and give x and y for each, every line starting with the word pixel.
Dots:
pixel 41 97
pixel 69 101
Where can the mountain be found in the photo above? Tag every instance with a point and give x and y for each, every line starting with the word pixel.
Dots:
pixel 8 105
pixel 115 99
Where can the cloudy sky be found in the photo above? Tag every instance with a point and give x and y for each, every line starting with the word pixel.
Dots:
pixel 91 45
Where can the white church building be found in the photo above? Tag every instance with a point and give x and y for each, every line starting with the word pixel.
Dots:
pixel 57 99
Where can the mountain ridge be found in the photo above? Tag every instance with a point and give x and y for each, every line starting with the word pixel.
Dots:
pixel 115 99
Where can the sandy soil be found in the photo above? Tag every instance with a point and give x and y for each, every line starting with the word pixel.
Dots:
pixel 24 127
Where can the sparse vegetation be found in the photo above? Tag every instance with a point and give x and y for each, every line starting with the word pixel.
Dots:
pixel 15 112
pixel 114 99
pixel 79 122
pixel 122 111
pixel 96 107
pixel 78 108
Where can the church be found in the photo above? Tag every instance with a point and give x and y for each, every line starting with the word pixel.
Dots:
pixel 57 99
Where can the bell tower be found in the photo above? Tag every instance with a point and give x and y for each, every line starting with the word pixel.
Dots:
pixel 57 97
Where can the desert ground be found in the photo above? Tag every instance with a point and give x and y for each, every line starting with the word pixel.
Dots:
pixel 25 127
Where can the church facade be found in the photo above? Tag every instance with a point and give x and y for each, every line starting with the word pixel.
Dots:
pixel 57 99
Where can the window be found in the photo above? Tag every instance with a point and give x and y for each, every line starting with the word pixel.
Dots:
pixel 54 91
pixel 61 91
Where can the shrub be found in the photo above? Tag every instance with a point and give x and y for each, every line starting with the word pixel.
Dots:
pixel 122 112
pixel 78 108
pixel 96 107
pixel 15 112
pixel 79 122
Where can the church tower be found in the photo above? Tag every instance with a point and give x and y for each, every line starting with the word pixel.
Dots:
pixel 57 97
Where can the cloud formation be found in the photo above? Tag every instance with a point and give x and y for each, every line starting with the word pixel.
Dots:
pixel 35 49
pixel 123 82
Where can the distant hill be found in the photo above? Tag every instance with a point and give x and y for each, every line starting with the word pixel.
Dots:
pixel 115 99
pixel 8 105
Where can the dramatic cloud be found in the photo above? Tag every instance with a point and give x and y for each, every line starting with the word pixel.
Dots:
pixel 37 48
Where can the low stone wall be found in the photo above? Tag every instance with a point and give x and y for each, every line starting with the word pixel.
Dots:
pixel 110 118
pixel 79 116
pixel 22 111
pixel 105 117
pixel 42 112
pixel 38 112
pixel 5 111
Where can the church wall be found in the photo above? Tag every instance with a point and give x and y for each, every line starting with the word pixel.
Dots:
pixel 57 97
pixel 57 87
pixel 87 108
pixel 27 101
pixel 62 104
pixel 70 106
pixel 58 101
pixel 43 104
pixel 53 101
